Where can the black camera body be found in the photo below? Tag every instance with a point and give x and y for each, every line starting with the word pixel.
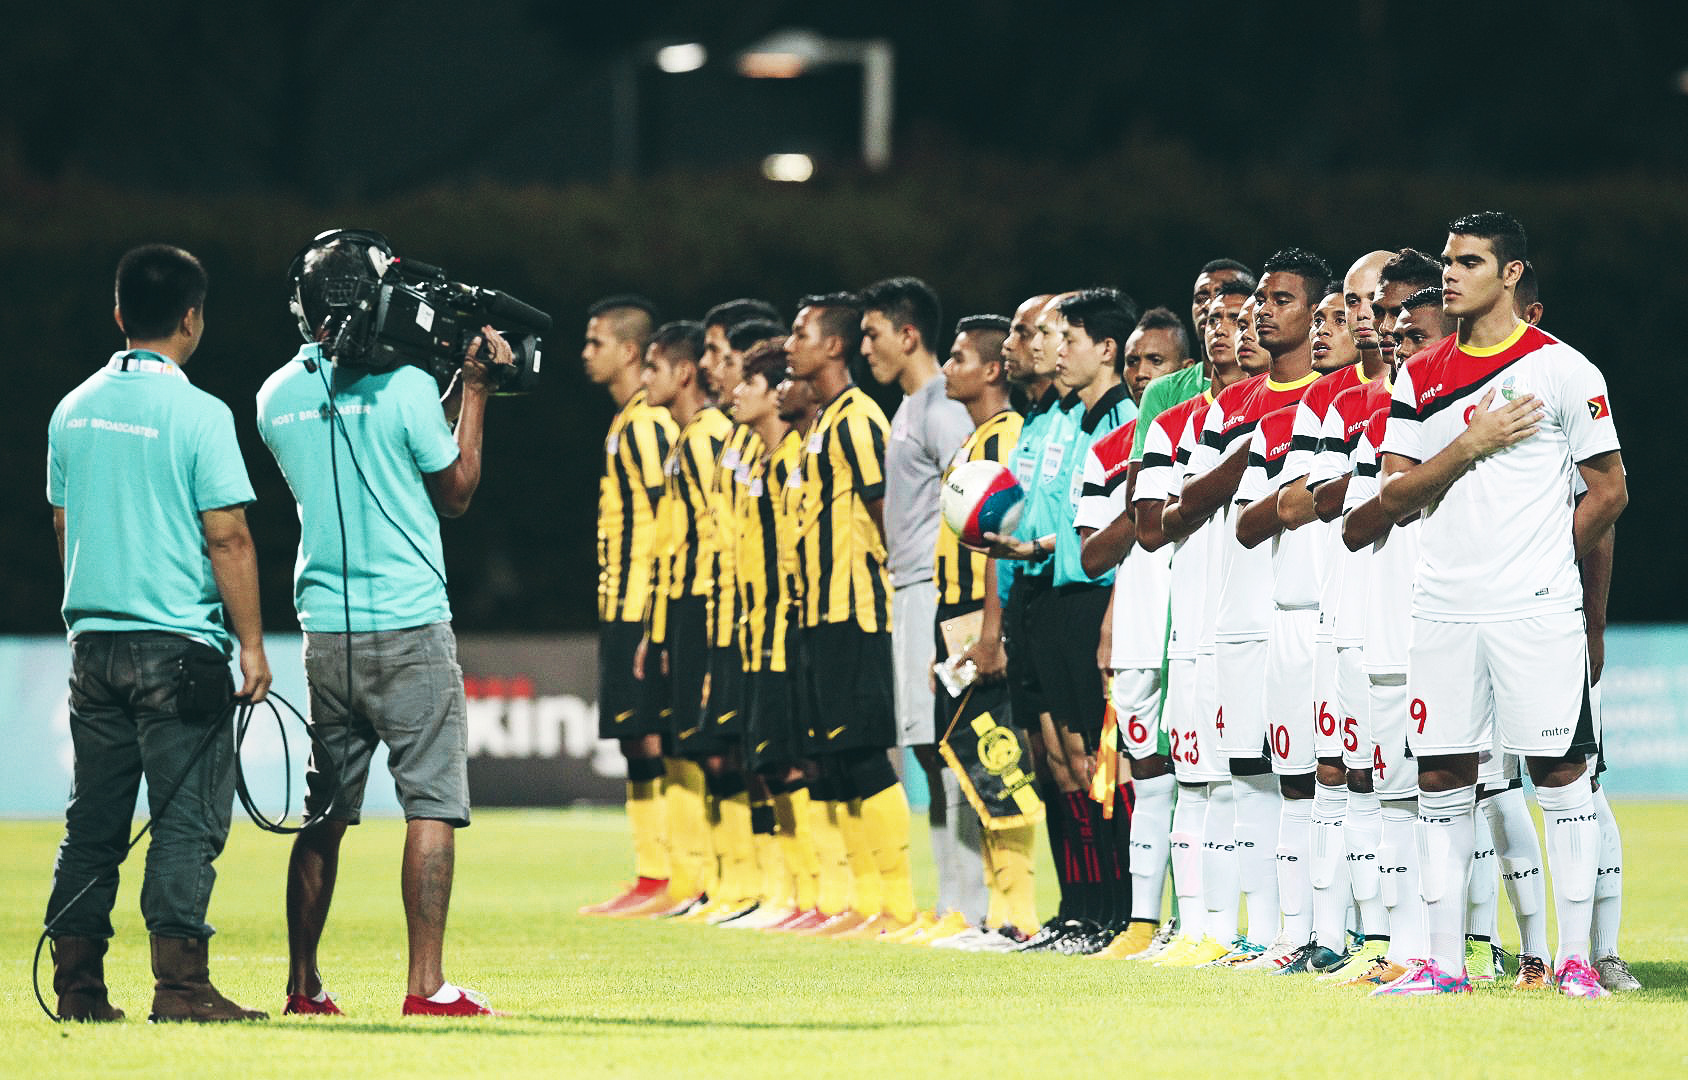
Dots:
pixel 391 311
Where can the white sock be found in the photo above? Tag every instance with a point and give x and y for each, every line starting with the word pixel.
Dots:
pixel 1294 853
pixel 1362 836
pixel 943 850
pixel 1258 809
pixel 1484 897
pixel 1219 863
pixel 1573 854
pixel 1519 848
pixel 1397 856
pixel 446 994
pixel 1446 832
pixel 1189 817
pixel 967 835
pixel 1327 871
pixel 1151 822
pixel 1609 883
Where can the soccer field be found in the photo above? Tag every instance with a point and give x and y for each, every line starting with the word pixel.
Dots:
pixel 593 996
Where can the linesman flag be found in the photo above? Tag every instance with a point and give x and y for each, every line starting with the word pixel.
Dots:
pixel 991 761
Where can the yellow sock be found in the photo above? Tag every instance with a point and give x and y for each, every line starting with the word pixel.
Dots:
pixel 650 828
pixel 775 882
pixel 832 868
pixel 997 912
pixel 736 846
pixel 792 810
pixel 688 829
pixel 885 817
pixel 1011 859
pixel 864 861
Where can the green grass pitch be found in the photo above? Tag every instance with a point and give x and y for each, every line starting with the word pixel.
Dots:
pixel 598 997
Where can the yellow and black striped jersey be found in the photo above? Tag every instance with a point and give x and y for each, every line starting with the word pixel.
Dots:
pixel 732 465
pixel 690 546
pixel 628 491
pixel 843 553
pixel 959 572
pixel 764 588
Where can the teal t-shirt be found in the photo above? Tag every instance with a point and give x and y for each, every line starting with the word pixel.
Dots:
pixel 1111 410
pixel 1027 453
pixel 134 456
pixel 1045 491
pixel 1162 394
pixel 395 569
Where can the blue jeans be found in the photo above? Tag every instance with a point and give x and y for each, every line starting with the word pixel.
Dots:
pixel 125 723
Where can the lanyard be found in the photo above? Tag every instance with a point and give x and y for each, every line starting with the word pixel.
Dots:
pixel 144 361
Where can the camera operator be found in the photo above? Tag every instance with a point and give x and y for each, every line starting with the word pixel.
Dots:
pixel 374 465
pixel 149 497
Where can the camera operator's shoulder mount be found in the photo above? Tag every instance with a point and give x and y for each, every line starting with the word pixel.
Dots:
pixel 392 311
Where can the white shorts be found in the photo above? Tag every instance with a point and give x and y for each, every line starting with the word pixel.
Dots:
pixel 1531 672
pixel 1241 716
pixel 914 608
pixel 1290 661
pixel 1191 706
pixel 1353 706
pixel 1327 729
pixel 1137 702
pixel 1394 772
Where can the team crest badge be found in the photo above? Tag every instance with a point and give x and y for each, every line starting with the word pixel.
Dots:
pixel 1598 409
pixel 1509 388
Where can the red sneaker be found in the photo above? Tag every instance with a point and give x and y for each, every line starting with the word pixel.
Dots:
pixel 640 892
pixel 804 922
pixel 467 1003
pixel 302 1005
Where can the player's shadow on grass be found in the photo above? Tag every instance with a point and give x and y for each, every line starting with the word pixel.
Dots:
pixel 739 1025
pixel 433 1026
pixel 1662 978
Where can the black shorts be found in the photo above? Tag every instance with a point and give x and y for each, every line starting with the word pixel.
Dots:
pixel 625 707
pixel 771 738
pixel 1066 626
pixel 688 665
pixel 849 692
pixel 1024 688
pixel 723 711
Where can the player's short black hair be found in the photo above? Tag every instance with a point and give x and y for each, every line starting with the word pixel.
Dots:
pixel 1332 288
pixel 1529 286
pixel 969 323
pixel 730 313
pixel 907 301
pixel 1410 266
pixel 157 284
pixel 1214 266
pixel 742 335
pixel 1162 318
pixel 1102 313
pixel 630 315
pixel 989 332
pixel 680 340
pixel 840 317
pixel 1314 272
pixel 1425 297
pixel 767 359
pixel 1234 287
pixel 1503 232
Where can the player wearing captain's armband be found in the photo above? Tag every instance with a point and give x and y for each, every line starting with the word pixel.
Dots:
pixel 1485 433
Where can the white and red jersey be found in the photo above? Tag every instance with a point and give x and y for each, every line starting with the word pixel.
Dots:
pixel 1498 544
pixel 1297 554
pixel 1304 452
pixel 1389 569
pixel 1166 452
pixel 1141 582
pixel 1343 606
pixel 1245 575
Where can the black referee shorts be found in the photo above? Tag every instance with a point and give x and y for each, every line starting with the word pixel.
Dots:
pixel 1024 687
pixel 626 709
pixel 1066 625
pixel 849 691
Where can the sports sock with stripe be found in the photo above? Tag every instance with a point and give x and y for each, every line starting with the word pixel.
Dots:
pixel 1398 866
pixel 1362 837
pixel 1258 810
pixel 1573 855
pixel 1189 817
pixel 1221 895
pixel 1519 847
pixel 1484 894
pixel 1294 852
pixel 1151 827
pixel 1327 869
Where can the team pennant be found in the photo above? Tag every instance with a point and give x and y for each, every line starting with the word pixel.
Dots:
pixel 1107 761
pixel 1598 409
pixel 990 760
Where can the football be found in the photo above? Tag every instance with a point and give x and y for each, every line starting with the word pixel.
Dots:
pixel 981 497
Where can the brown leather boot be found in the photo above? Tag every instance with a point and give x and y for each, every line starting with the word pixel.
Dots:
pixel 79 979
pixel 183 989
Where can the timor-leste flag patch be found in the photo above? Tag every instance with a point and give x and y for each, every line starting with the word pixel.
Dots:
pixel 1598 409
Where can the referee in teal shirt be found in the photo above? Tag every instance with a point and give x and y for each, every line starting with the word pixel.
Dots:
pixel 149 497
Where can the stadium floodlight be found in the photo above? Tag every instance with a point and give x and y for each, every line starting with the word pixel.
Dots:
pixel 681 58
pixel 788 168
pixel 787 54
